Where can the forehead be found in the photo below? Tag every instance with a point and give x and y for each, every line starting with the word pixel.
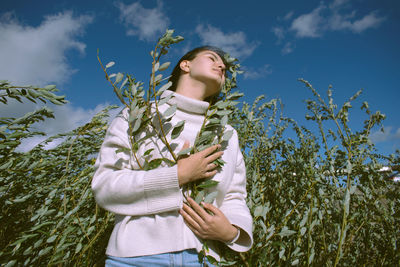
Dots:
pixel 209 52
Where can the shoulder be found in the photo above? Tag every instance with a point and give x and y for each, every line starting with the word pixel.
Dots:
pixel 233 143
pixel 118 122
pixel 229 128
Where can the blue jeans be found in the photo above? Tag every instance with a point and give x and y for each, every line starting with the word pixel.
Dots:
pixel 185 258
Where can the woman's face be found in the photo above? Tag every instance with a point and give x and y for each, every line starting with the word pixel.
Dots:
pixel 209 68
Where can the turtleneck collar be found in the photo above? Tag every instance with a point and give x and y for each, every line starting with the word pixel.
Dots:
pixel 186 104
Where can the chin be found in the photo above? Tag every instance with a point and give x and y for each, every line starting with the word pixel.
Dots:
pixel 214 92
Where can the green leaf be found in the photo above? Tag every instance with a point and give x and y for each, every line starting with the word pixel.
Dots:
pixel 199 197
pixel 224 120
pixel 169 162
pixel 286 232
pixel 234 96
pixel 210 197
pixel 170 111
pixel 38 243
pixel 184 151
pixel 258 211
pixel 156 66
pixel 164 87
pixel 165 100
pixel 222 104
pixel 153 164
pixel 119 77
pixel 124 82
pixel 148 152
pixel 110 64
pixel 6 165
pixel 164 66
pixel 137 124
pixel 227 135
pixel 11 263
pixel 303 230
pixel 177 129
pixel 282 253
pixel 78 248
pixel 158 78
pixel 347 201
pixel 51 239
pixel 349 167
pixel 50 87
pixel 44 251
pixel 122 149
pixel 207 184
pixel 224 112
pixel 311 258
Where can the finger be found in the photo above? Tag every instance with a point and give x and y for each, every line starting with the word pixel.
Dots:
pixel 194 216
pixel 185 145
pixel 214 156
pixel 209 174
pixel 198 209
pixel 189 219
pixel 210 150
pixel 211 166
pixel 194 230
pixel 216 211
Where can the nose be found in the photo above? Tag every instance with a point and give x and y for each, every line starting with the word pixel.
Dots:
pixel 221 65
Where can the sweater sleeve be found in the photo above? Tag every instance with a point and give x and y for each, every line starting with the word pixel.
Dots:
pixel 234 204
pixel 121 189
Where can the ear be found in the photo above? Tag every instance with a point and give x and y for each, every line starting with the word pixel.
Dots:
pixel 185 65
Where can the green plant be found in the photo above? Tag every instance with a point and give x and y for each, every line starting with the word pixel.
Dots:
pixel 48 215
pixel 319 198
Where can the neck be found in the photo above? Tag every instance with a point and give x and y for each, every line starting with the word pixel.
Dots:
pixel 192 88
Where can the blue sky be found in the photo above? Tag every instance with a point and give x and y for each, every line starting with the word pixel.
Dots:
pixel 350 44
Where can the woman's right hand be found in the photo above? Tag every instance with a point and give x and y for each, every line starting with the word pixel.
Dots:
pixel 199 165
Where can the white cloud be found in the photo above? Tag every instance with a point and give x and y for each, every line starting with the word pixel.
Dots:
pixel 254 74
pixel 146 23
pixel 288 48
pixel 288 16
pixel 386 135
pixel 338 22
pixel 279 33
pixel 314 24
pixel 308 25
pixel 36 55
pixel 338 16
pixel 369 21
pixel 234 43
pixel 338 4
pixel 67 118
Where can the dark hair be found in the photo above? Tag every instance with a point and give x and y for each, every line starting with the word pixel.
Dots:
pixel 176 72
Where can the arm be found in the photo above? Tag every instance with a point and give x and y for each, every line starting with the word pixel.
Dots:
pixel 232 215
pixel 234 206
pixel 119 188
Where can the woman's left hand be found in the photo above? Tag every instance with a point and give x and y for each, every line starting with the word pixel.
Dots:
pixel 205 225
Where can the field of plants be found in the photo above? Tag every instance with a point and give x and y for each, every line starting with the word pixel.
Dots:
pixel 318 199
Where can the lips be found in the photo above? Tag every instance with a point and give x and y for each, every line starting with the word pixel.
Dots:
pixel 218 71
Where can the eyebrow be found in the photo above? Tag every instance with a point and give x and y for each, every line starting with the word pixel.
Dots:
pixel 215 56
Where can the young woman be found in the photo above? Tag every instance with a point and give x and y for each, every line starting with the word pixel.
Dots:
pixel 153 224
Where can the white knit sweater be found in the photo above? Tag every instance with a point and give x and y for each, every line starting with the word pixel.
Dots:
pixel 146 203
